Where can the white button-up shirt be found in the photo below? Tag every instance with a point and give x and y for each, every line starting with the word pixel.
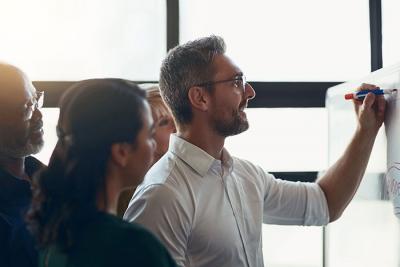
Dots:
pixel 209 212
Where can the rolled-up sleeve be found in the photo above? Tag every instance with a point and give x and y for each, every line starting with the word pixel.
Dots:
pixel 294 203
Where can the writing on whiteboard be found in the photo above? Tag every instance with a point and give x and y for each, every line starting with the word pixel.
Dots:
pixel 393 185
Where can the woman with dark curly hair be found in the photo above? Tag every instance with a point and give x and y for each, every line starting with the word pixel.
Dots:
pixel 105 145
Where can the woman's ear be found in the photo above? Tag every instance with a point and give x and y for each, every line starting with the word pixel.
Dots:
pixel 120 153
pixel 199 98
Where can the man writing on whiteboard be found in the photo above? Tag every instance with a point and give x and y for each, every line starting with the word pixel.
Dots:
pixel 207 206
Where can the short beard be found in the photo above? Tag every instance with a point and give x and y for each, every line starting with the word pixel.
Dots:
pixel 234 127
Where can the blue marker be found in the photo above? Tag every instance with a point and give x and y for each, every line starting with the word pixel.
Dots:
pixel 363 93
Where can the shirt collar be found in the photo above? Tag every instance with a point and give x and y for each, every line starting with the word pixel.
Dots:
pixel 227 160
pixel 195 157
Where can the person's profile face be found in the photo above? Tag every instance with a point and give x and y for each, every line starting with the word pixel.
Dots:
pixel 227 109
pixel 21 122
pixel 164 127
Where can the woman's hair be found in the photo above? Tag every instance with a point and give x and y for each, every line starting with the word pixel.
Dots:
pixel 94 114
pixel 157 104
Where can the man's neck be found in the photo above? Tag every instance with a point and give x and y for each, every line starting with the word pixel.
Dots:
pixel 14 166
pixel 204 139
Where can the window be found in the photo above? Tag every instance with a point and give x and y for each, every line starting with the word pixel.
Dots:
pixel 286 40
pixel 284 139
pixel 50 119
pixel 72 39
pixel 390 32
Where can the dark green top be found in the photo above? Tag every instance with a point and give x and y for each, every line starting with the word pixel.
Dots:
pixel 109 241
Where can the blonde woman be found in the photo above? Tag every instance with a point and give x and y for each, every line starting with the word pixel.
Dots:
pixel 163 120
pixel 164 126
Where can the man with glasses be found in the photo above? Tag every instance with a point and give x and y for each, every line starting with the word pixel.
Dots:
pixel 208 207
pixel 21 135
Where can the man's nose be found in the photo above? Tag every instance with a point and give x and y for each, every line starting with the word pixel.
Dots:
pixel 249 92
pixel 37 114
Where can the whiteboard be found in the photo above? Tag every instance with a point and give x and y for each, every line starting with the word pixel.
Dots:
pixel 392 125
pixel 385 157
pixel 368 232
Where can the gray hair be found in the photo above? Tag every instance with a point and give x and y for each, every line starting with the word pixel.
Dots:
pixel 184 67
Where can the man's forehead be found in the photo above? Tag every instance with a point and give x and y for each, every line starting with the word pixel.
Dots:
pixel 224 66
pixel 14 85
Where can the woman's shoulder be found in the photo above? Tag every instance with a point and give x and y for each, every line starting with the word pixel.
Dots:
pixel 134 243
pixel 109 241
pixel 116 225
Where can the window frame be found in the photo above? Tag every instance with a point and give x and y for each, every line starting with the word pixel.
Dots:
pixel 269 94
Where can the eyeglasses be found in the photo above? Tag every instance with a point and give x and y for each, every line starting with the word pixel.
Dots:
pixel 238 82
pixel 33 104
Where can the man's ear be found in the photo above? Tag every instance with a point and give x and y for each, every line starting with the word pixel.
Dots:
pixel 199 98
pixel 120 153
